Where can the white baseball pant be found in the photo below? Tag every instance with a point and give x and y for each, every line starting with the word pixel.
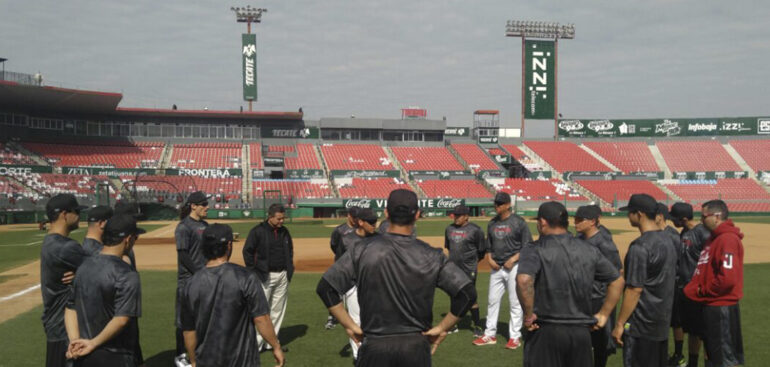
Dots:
pixel 277 294
pixel 351 303
pixel 499 281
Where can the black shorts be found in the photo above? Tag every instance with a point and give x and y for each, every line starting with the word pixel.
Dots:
pixel 555 345
pixel 601 340
pixel 473 277
pixel 676 311
pixel 394 351
pixel 101 357
pixel 641 352
pixel 55 354
pixel 691 317
pixel 723 340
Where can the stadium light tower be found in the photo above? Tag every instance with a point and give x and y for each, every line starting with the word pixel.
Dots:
pixel 548 31
pixel 248 15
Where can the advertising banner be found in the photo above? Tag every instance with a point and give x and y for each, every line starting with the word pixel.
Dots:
pixel 488 139
pixel 273 161
pixel 296 133
pixel 422 203
pixel 24 170
pixel 382 173
pixel 249 43
pixel 106 171
pixel 539 79
pixel 444 175
pixel 712 175
pixel 206 172
pixel 665 127
pixel 303 173
pixel 457 131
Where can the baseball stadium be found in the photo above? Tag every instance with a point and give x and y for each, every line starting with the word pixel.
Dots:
pixel 61 140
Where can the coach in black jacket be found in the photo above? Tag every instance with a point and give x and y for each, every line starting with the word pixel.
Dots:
pixel 269 252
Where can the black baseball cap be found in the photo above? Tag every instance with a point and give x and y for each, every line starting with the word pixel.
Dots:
pixel 198 197
pixel 63 202
pixel 99 213
pixel 367 215
pixel 402 203
pixel 588 212
pixel 641 203
pixel 217 234
pixel 681 210
pixel 460 210
pixel 552 211
pixel 502 198
pixel 353 211
pixel 122 225
pixel 663 210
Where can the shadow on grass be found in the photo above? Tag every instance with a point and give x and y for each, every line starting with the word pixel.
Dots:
pixel 162 359
pixel 290 333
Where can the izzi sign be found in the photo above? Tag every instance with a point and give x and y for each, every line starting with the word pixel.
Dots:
pixel 249 43
pixel 422 203
pixel 539 79
pixel 297 133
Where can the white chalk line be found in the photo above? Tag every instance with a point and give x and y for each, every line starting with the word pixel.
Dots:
pixel 21 244
pixel 19 293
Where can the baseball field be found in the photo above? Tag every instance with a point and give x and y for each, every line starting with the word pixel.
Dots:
pixel 23 341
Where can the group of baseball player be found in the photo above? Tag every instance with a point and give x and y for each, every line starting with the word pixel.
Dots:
pixel 562 289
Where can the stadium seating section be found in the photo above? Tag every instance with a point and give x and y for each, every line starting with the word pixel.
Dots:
pixel 725 189
pixel 475 157
pixel 291 189
pixel 306 158
pixel 756 153
pixel 539 190
pixel 70 184
pixel 355 157
pixel 621 190
pixel 454 189
pixel 206 155
pixel 255 156
pixel 426 159
pixel 125 155
pixel 9 188
pixel 223 188
pixel 517 154
pixel 626 156
pixel 696 156
pixel 11 156
pixel 565 156
pixel 371 188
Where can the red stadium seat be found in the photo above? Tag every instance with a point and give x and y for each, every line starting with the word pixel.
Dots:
pixel 306 158
pixel 539 190
pixel 371 188
pixel 426 159
pixel 108 154
pixel 622 190
pixel 696 156
pixel 292 189
pixel 725 189
pixel 206 155
pixel 474 157
pixel 626 156
pixel 455 189
pixel 756 153
pixel 565 156
pixel 364 157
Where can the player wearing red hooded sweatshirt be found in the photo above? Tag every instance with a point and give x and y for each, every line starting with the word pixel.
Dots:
pixel 717 284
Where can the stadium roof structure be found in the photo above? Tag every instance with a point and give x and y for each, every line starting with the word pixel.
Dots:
pixel 35 99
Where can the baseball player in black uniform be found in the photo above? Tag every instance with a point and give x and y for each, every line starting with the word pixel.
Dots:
pixel 396 276
pixel 687 314
pixel 661 218
pixel 465 242
pixel 189 253
pixel 107 296
pixel 60 256
pixel 650 270
pixel 385 224
pixel 507 233
pixel 223 304
pixel 555 281
pixel 336 242
pixel 586 220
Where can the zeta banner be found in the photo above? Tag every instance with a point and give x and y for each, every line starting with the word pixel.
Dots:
pixel 249 42
pixel 539 79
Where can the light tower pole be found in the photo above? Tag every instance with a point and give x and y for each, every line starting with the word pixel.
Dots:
pixel 248 15
pixel 547 31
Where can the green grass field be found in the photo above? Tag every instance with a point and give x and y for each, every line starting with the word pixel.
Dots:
pixel 310 345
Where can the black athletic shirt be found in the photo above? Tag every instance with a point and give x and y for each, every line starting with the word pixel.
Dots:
pixel 94 247
pixel 564 269
pixel 106 287
pixel 220 304
pixel 608 249
pixel 651 265
pixel 385 224
pixel 58 255
pixel 351 240
pixel 692 244
pixel 605 232
pixel 396 277
pixel 188 238
pixel 465 245
pixel 507 237
pixel 336 240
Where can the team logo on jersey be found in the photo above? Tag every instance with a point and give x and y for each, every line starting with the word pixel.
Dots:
pixel 687 243
pixel 501 232
pixel 457 236
pixel 704 256
pixel 728 261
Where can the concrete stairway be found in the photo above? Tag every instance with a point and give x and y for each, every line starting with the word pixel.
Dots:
pixel 165 156
pixel 600 158
pixel 246 184
pixel 738 159
pixel 660 161
pixel 404 174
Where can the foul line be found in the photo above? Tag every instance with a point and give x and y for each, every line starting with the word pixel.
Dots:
pixel 21 244
pixel 20 293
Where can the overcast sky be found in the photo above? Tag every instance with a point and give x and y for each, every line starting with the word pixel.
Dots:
pixel 370 58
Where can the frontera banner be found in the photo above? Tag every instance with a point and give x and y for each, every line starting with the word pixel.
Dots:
pixel 379 204
pixel 249 42
pixel 539 79
pixel 665 127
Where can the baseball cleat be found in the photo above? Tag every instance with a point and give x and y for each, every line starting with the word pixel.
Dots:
pixel 478 332
pixel 513 343
pixel 485 340
pixel 330 324
pixel 182 361
pixel 453 330
pixel 677 361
